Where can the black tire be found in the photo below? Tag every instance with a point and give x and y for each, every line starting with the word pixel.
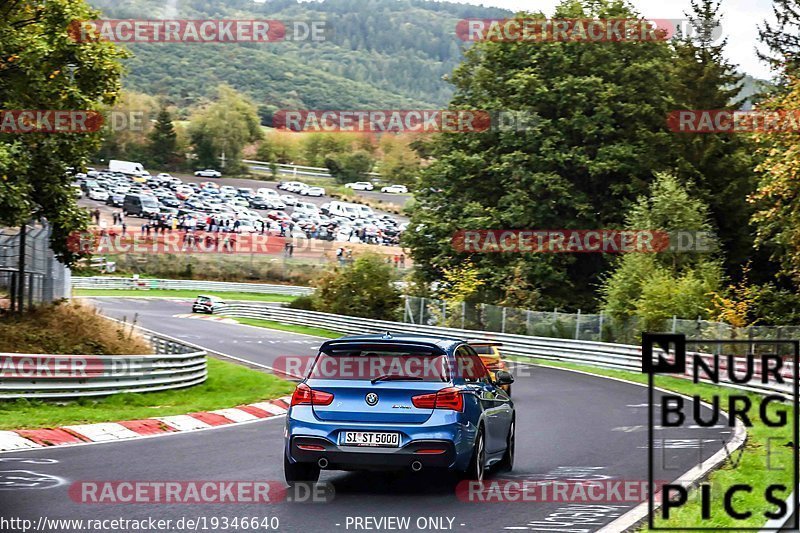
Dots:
pixel 506 464
pixel 477 463
pixel 299 472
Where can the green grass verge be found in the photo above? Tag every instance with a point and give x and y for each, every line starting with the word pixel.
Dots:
pixel 167 293
pixel 292 328
pixel 750 468
pixel 228 385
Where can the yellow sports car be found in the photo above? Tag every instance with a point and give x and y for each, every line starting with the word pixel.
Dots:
pixel 490 355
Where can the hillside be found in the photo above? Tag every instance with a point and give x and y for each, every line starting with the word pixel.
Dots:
pixel 378 53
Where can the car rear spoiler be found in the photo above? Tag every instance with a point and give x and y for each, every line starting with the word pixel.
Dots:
pixel 479 342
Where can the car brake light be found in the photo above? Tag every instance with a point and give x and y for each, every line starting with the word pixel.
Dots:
pixel 305 395
pixel 449 398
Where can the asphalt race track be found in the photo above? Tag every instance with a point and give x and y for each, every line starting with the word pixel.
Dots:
pixel 569 426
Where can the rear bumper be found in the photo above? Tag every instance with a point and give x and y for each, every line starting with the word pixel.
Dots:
pixel 305 449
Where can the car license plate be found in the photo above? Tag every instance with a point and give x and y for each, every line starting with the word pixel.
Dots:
pixel 371 438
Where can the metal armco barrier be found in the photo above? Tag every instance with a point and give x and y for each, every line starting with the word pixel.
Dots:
pixel 175 365
pixel 103 282
pixel 617 356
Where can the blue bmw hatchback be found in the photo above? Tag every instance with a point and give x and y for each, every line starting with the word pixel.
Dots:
pixel 373 402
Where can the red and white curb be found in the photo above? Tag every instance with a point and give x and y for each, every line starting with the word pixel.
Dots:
pixel 24 439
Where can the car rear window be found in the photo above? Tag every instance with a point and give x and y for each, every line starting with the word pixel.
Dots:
pixel 382 362
pixel 482 350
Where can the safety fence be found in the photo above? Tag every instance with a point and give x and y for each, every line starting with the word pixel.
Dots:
pixel 174 365
pixel 43 280
pixel 579 326
pixel 524 347
pixel 102 282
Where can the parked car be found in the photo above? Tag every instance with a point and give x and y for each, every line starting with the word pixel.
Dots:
pixel 116 199
pixel 97 193
pixel 360 186
pixel 208 173
pixel 421 403
pixel 140 205
pixel 288 199
pixel 207 304
pixel 395 189
pixel 312 191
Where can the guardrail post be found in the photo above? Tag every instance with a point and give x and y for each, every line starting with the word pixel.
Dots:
pixel 463 312
pixel 600 328
pixel 528 322
pixel 578 325
pixel 503 321
pixel 674 323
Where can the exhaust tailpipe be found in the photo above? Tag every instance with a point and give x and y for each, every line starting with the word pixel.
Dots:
pixel 323 463
pixel 416 466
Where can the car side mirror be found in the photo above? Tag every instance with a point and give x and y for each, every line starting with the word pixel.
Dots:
pixel 501 377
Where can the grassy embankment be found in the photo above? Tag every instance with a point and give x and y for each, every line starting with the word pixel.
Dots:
pixel 75 329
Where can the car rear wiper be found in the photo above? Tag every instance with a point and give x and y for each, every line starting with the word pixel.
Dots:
pixel 395 377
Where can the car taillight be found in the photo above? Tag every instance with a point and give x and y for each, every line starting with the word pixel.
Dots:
pixel 305 395
pixel 449 398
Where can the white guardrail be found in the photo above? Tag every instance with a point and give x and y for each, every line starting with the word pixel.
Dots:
pixel 618 356
pixel 174 365
pixel 103 282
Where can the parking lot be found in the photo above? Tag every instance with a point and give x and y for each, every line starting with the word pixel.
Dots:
pixel 232 205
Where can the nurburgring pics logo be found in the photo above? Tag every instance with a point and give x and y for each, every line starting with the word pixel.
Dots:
pixel 745 364
pixel 733 121
pixel 196 31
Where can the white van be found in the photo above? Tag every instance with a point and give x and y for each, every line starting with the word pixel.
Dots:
pixel 307 208
pixel 343 209
pixel 129 168
pixel 364 211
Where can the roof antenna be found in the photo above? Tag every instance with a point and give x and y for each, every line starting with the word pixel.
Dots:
pixel 387 335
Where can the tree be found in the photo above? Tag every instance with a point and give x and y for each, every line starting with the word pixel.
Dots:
pixel 656 286
pixel 42 66
pixel 719 165
pixel 399 163
pixel 224 127
pixel 777 200
pixel 365 288
pixel 163 147
pixel 596 133
pixel 127 135
pixel 349 167
pixel 782 37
